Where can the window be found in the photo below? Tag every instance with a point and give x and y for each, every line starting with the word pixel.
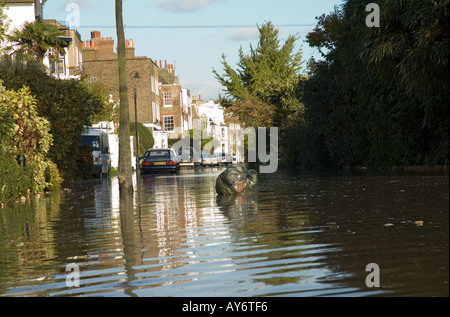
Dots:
pixel 57 67
pixel 61 67
pixel 169 124
pixel 154 112
pixel 158 153
pixel 167 99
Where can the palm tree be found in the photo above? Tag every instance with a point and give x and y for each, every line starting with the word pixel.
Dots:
pixel 36 39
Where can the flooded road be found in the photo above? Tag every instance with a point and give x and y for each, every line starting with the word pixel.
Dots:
pixel 298 235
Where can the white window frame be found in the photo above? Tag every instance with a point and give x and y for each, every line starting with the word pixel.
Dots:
pixel 173 123
pixel 164 99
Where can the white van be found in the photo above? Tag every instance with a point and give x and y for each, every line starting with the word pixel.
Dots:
pixel 98 141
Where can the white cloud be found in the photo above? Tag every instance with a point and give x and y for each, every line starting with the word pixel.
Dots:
pixel 208 89
pixel 179 6
pixel 83 4
pixel 244 34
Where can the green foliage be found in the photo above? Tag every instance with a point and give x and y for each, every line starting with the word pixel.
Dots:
pixel 84 162
pixel 15 181
pixel 263 90
pixel 145 136
pixel 36 39
pixel 204 141
pixel 4 23
pixel 105 109
pixel 31 136
pixel 6 127
pixel 66 104
pixel 52 176
pixel 380 97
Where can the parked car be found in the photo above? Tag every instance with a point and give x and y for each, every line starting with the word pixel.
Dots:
pixel 215 161
pixel 186 156
pixel 225 158
pixel 203 159
pixel 159 160
pixel 98 141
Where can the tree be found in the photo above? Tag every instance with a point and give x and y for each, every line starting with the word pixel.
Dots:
pixel 66 104
pixel 380 96
pixel 4 24
pixel 36 39
pixel 124 172
pixel 264 90
pixel 265 81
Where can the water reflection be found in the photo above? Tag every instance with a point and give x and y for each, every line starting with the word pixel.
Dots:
pixel 296 236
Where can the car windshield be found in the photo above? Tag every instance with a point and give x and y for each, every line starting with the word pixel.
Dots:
pixel 91 140
pixel 159 153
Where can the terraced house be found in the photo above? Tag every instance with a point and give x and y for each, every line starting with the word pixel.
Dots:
pixel 176 107
pixel 100 65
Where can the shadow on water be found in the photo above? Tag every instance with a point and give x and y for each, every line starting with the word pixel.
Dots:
pixel 297 235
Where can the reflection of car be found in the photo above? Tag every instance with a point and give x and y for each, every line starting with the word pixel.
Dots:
pixel 186 156
pixel 98 141
pixel 159 160
pixel 225 158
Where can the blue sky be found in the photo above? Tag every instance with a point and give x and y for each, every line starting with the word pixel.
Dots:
pixel 158 29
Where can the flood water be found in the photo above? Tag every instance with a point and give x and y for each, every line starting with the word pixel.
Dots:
pixel 298 235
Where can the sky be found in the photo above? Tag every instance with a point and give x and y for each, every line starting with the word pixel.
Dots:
pixel 194 34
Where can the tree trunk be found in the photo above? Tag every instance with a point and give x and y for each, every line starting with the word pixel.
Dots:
pixel 124 171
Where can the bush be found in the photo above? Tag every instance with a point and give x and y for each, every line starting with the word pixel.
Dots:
pixel 84 162
pixel 30 135
pixel 146 140
pixel 52 176
pixel 66 104
pixel 15 181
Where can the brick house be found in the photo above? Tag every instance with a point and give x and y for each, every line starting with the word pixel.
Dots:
pixel 176 109
pixel 100 65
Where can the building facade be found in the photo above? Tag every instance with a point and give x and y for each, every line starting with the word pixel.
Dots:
pixel 100 65
pixel 69 65
pixel 176 107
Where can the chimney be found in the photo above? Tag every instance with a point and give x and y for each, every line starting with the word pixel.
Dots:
pixel 83 44
pixel 127 43
pixel 92 44
pixel 165 65
pixel 131 43
pixel 88 44
pixel 95 35
pixel 160 64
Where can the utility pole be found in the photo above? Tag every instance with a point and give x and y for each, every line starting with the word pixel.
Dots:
pixel 124 172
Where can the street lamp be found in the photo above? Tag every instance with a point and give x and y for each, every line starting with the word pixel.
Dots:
pixel 136 78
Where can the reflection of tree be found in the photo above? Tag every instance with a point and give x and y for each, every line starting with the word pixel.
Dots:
pixel 27 240
pixel 128 237
pixel 274 232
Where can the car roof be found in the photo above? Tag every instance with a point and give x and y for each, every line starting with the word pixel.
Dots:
pixel 163 149
pixel 93 132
